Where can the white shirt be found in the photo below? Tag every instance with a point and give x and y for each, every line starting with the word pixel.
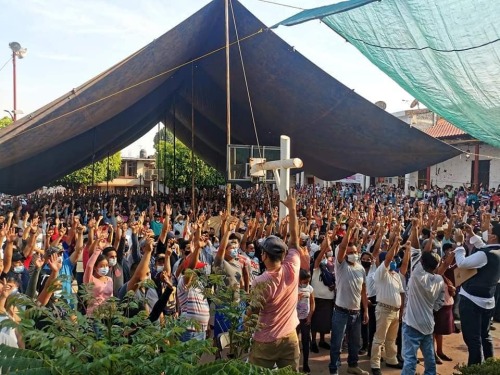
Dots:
pixel 476 260
pixel 371 290
pixel 350 280
pixel 304 302
pixel 320 289
pixel 388 286
pixel 425 295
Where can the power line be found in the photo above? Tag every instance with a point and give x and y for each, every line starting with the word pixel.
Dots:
pixel 4 65
pixel 281 4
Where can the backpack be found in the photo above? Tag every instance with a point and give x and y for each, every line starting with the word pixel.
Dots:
pixel 326 276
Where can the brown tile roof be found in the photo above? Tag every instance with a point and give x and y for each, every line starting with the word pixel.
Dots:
pixel 443 129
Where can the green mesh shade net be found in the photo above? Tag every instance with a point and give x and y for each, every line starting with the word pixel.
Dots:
pixel 445 53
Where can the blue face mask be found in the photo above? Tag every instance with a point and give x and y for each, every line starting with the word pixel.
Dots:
pixel 18 269
pixel 303 285
pixel 323 262
pixel 251 254
pixel 393 266
pixel 234 253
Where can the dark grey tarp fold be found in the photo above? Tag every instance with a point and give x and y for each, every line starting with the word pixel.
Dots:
pixel 335 131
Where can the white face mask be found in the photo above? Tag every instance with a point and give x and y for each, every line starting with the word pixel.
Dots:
pixel 112 262
pixel 58 294
pixel 103 271
pixel 60 259
pixel 329 254
pixel 159 268
pixel 352 258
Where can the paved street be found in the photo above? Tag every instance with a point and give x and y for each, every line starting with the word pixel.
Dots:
pixel 454 347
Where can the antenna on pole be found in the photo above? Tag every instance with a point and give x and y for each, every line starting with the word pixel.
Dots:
pixel 381 104
pixel 415 103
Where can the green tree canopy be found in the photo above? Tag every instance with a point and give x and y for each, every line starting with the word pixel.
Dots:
pixel 84 175
pixel 205 175
pixel 5 121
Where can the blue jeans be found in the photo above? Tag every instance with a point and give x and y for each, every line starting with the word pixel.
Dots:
pixel 193 335
pixel 343 322
pixel 412 340
pixel 475 322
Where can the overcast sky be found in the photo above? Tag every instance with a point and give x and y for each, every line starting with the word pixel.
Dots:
pixel 69 42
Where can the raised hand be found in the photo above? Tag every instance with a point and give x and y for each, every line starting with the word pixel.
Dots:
pixel 91 224
pixel 54 263
pixel 291 202
pixel 149 244
pixel 39 262
pixel 11 235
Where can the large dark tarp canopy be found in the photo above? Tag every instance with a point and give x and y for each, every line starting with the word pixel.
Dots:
pixel 333 130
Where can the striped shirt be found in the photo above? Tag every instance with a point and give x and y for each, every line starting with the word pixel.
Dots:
pixel 193 305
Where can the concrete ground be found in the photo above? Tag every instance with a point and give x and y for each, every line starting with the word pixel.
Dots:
pixel 454 347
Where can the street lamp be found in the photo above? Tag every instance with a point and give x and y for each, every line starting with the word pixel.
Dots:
pixel 13 113
pixel 19 52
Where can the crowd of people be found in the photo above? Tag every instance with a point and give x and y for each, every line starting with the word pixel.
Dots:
pixel 374 269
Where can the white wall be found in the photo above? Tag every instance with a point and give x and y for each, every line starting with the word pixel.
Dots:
pixel 457 171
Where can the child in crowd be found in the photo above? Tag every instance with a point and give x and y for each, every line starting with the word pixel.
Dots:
pixel 305 310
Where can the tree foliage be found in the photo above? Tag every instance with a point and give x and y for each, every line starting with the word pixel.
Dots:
pixel 5 121
pixel 113 342
pixel 84 176
pixel 205 175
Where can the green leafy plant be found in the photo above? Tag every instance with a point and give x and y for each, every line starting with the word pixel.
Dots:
pixel 489 367
pixel 231 302
pixel 115 342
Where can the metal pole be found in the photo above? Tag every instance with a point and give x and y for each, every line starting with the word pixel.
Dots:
pixel 284 183
pixel 476 168
pixel 228 108
pixel 107 177
pixel 192 141
pixel 158 167
pixel 165 156
pixel 14 84
pixel 174 167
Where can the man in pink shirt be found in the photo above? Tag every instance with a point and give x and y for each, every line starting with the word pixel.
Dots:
pixel 276 341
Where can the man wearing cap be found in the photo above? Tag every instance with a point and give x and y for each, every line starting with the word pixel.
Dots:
pixel 477 301
pixel 275 342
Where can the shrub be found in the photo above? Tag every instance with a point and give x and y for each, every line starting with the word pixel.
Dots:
pixel 489 367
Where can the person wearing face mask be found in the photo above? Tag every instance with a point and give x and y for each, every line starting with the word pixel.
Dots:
pixel 9 336
pixel 389 291
pixel 368 330
pixel 351 294
pixel 115 267
pixel 252 262
pixel 425 294
pixel 17 270
pixel 226 263
pixel 68 263
pixel 95 272
pixel 141 272
pixel 324 294
pixel 477 294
